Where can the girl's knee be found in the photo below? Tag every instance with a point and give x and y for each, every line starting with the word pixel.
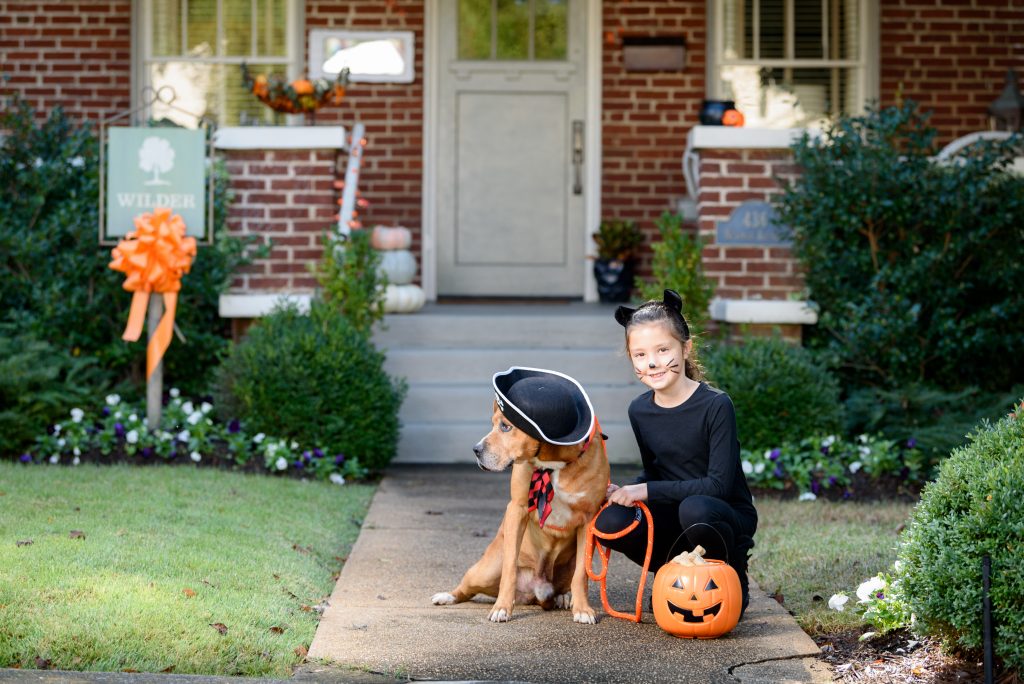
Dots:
pixel 696 509
pixel 615 518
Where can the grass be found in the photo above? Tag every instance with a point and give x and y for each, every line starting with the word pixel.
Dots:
pixel 806 550
pixel 167 552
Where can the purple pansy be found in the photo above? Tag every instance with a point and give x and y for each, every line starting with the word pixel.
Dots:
pixel 832 479
pixel 317 453
pixel 26 458
pixel 911 443
pixel 298 463
pixel 119 429
pixel 106 411
pixel 815 487
pixel 339 459
pixel 774 454
pixel 880 595
pixel 147 452
pixel 778 472
pixel 824 450
pixel 234 426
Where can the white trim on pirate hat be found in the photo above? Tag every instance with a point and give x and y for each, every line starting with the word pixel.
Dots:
pixel 545 404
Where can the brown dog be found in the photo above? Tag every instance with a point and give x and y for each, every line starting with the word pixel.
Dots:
pixel 528 562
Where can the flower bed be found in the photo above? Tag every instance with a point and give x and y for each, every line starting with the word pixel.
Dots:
pixel 188 434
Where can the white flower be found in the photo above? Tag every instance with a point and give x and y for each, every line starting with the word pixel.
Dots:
pixel 748 468
pixel 206 407
pixel 855 466
pixel 175 392
pixel 187 407
pixel 337 479
pixel 166 436
pixel 767 454
pixel 55 458
pixel 864 451
pixel 259 437
pixel 867 590
pixel 56 429
pixel 195 418
pixel 76 415
pixel 113 399
pixel 828 441
pixel 117 414
pixel 133 418
pixel 838 602
pixel 195 456
pixel 897 565
pixel 294 445
pixel 76 162
pixel 281 463
pixel 76 461
pixel 61 442
pixel 863 439
pixel 808 496
pixel 183 436
pixel 758 468
pixel 132 437
pixel 77 452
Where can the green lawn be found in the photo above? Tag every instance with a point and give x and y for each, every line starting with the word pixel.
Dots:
pixel 818 548
pixel 166 553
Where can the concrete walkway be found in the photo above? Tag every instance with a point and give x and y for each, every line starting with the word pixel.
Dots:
pixel 428 524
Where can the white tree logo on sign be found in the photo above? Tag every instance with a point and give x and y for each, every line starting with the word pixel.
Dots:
pixel 156 156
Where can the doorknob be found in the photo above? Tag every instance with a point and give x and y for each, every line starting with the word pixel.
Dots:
pixel 577 156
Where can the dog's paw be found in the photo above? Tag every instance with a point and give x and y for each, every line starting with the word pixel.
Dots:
pixel 500 615
pixel 584 616
pixel 442 599
pixel 564 601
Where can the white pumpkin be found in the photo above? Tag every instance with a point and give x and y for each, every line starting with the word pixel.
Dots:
pixel 399 266
pixel 403 298
pixel 384 238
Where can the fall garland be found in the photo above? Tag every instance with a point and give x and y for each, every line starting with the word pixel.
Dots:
pixel 296 97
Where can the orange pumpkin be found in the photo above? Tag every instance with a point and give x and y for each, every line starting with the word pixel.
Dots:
pixel 732 117
pixel 697 602
pixel 302 87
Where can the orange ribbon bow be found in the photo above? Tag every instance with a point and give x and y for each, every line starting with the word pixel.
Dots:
pixel 154 257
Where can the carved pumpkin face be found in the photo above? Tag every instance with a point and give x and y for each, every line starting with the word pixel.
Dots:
pixel 700 601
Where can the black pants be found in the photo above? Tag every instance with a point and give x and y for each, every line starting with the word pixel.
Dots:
pixel 712 523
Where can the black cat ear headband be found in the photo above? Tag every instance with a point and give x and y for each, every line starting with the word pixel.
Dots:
pixel 670 300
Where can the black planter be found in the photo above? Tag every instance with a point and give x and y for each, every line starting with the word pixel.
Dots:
pixel 712 111
pixel 614 279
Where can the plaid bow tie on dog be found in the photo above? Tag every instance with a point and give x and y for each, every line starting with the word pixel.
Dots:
pixel 542 491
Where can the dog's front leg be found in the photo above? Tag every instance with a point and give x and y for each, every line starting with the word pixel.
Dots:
pixel 513 526
pixel 581 610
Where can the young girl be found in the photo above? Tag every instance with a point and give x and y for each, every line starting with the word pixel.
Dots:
pixel 692 480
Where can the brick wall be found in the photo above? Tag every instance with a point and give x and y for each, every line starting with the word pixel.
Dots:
pixel 951 59
pixel 288 196
pixel 646 116
pixel 392 173
pixel 727 179
pixel 73 53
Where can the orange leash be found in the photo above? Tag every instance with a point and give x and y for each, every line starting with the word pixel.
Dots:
pixel 593 535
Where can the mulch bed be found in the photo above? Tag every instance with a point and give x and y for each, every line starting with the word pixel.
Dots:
pixel 861 488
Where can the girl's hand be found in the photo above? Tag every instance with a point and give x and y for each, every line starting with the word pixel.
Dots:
pixel 629 495
pixel 611 488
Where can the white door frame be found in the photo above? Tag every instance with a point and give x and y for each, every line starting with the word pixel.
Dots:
pixel 431 121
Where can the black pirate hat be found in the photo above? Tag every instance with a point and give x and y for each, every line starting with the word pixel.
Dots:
pixel 547 405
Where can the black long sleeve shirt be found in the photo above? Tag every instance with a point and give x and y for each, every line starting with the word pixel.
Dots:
pixel 691 449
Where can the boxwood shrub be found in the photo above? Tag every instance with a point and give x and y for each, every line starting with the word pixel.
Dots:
pixel 973 509
pixel 780 392
pixel 315 379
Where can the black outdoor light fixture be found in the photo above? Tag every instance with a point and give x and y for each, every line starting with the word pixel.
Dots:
pixel 1007 108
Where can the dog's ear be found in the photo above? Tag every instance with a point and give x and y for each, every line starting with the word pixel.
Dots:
pixel 672 300
pixel 623 314
pixel 552 453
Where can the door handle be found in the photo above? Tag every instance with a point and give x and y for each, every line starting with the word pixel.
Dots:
pixel 577 157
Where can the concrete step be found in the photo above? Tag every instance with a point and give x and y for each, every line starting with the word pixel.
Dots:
pixel 568 326
pixel 457 403
pixel 434 442
pixel 476 366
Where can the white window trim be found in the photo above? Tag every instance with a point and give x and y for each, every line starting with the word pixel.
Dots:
pixel 142 49
pixel 868 73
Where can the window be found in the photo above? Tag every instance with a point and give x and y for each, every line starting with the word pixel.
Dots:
pixel 792 63
pixel 198 46
pixel 513 29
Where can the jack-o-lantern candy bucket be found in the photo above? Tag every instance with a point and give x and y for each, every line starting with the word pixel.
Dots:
pixel 697 601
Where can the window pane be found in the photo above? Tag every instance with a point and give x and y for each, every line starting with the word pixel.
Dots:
pixel 844 28
pixel 237 17
pixel 212 89
pixel 474 29
pixel 202 28
pixel 271 18
pixel 807 32
pixel 736 23
pixel 773 25
pixel 513 29
pixel 550 29
pixel 166 27
pixel 780 98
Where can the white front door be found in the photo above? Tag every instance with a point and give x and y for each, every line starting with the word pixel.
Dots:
pixel 511 134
